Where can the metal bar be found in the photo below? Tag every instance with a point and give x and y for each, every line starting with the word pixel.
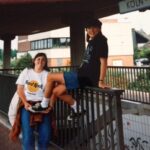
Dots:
pixel 110 99
pixel 119 124
pixel 104 120
pixel 98 119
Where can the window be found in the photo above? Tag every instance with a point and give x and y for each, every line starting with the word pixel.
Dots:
pixel 36 44
pixel 63 42
pixel 56 42
pixel 117 63
pixel 68 42
pixel 41 44
pixel 45 43
pixel 32 45
pixel 50 43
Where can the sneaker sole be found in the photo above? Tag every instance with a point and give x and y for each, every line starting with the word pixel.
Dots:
pixel 33 111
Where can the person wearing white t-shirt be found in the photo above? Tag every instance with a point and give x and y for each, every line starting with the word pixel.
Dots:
pixel 30 88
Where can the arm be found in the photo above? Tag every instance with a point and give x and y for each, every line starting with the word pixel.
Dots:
pixel 20 91
pixel 102 75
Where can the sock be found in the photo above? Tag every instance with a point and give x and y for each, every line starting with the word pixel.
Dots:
pixel 45 102
pixel 74 106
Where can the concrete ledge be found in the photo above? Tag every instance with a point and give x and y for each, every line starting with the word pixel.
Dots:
pixel 137 108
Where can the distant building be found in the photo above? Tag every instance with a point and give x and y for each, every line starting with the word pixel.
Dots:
pixel 56 44
pixel 120 41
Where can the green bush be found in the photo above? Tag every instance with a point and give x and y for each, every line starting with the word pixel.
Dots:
pixel 142 82
pixel 23 62
pixel 117 79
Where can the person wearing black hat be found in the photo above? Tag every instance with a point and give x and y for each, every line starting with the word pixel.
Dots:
pixel 94 65
pixel 91 72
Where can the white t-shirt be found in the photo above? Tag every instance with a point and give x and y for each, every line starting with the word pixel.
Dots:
pixel 34 83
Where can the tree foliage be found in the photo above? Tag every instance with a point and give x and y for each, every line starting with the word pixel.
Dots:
pixel 142 53
pixel 13 53
pixel 23 62
pixel 141 83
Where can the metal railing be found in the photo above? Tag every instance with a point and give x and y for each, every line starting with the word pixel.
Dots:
pixel 134 80
pixel 11 71
pixel 99 128
pixel 7 90
pixel 136 84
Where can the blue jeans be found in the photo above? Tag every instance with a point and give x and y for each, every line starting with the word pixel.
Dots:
pixel 43 129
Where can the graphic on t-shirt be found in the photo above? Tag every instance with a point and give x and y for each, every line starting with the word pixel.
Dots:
pixel 33 86
pixel 87 54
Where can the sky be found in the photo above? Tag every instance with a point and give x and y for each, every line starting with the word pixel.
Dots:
pixel 139 20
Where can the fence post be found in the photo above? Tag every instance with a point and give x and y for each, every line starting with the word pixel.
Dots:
pixel 119 124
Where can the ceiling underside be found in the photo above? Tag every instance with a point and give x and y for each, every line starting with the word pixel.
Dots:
pixel 23 17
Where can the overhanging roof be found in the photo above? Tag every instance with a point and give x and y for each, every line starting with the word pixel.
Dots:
pixel 140 38
pixel 22 17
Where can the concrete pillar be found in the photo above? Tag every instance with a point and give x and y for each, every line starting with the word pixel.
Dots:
pixel 77 44
pixel 134 39
pixel 7 50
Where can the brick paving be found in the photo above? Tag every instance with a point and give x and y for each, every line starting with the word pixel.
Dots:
pixel 5 142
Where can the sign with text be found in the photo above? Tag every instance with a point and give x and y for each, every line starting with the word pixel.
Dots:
pixel 131 5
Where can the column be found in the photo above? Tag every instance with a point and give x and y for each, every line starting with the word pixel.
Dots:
pixel 77 45
pixel 7 50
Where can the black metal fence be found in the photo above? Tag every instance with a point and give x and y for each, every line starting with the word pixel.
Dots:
pixel 134 80
pixel 7 89
pixel 11 71
pixel 100 127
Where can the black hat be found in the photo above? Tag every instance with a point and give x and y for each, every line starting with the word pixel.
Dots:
pixel 93 23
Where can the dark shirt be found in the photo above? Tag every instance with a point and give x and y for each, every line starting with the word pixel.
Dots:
pixel 88 73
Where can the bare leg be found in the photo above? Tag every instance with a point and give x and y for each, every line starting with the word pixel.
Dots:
pixel 60 92
pixel 52 91
pixel 67 99
pixel 51 79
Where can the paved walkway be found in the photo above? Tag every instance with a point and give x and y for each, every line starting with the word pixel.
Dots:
pixel 5 142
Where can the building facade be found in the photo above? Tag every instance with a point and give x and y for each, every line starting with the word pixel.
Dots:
pixel 56 44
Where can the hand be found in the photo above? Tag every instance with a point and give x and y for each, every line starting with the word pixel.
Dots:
pixel 27 105
pixel 103 85
pixel 50 108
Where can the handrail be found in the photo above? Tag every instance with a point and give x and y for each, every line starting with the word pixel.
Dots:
pixel 101 123
pixel 97 128
pixel 134 80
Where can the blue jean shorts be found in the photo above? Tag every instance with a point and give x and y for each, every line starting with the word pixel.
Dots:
pixel 71 80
